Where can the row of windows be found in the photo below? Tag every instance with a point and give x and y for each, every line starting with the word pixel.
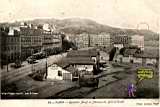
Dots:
pixel 31 43
pixel 101 40
pixel 31 37
pixel 99 37
pixel 31 32
pixel 11 56
pixel 121 40
pixel 10 48
pixel 12 40
pixel 47 38
pixel 38 39
pixel 92 38
pixel 30 40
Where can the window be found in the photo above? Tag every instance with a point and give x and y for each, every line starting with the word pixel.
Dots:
pixel 8 48
pixel 11 39
pixel 59 73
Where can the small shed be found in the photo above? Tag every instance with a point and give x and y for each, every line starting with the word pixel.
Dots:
pixel 56 72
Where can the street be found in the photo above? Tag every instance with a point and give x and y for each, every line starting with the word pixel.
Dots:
pixel 26 69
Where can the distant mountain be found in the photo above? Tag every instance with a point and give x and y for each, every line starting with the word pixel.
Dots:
pixel 79 25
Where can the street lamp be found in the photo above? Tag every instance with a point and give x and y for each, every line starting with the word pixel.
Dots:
pixel 46 68
pixel 33 60
pixel 7 63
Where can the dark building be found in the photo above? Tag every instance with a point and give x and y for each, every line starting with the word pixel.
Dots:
pixel 51 41
pixel 121 40
pixel 31 41
pixel 10 45
pixel 21 42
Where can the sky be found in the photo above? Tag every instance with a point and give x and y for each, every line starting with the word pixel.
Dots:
pixel 118 13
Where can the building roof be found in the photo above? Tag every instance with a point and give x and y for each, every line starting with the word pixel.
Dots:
pixel 63 64
pixel 79 57
pixel 76 60
pixel 82 53
pixel 128 52
pixel 148 53
pixel 71 69
pixel 80 61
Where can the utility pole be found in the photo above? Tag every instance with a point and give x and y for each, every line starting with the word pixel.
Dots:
pixel 32 62
pixel 46 68
pixel 89 40
pixel 7 64
pixel 20 45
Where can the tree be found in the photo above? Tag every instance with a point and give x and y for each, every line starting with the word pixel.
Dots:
pixel 25 23
pixel 40 26
pixel 112 53
pixel 6 29
pixel 122 50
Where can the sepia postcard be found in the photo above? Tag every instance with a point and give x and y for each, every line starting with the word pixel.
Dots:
pixel 79 52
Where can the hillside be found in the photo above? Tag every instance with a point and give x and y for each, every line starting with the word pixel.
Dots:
pixel 79 25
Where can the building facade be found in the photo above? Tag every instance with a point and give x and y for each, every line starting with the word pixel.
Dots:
pixel 137 40
pixel 34 40
pixel 82 40
pixel 120 41
pixel 51 40
pixel 91 40
pixel 31 41
pixel 101 39
pixel 23 41
pixel 10 46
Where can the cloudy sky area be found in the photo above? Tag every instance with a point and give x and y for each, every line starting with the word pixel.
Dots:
pixel 118 13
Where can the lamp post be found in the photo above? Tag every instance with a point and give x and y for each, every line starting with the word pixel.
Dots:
pixel 7 64
pixel 33 59
pixel 46 68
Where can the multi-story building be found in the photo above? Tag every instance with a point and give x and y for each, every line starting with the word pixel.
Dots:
pixel 1 65
pixel 82 40
pixel 120 41
pixel 137 40
pixel 34 39
pixel 90 40
pixel 10 45
pixel 51 40
pixel 31 41
pixel 21 42
pixel 101 39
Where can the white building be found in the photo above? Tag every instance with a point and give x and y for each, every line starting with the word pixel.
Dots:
pixel 137 40
pixel 119 46
pixel 102 39
pixel 91 40
pixel 56 72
